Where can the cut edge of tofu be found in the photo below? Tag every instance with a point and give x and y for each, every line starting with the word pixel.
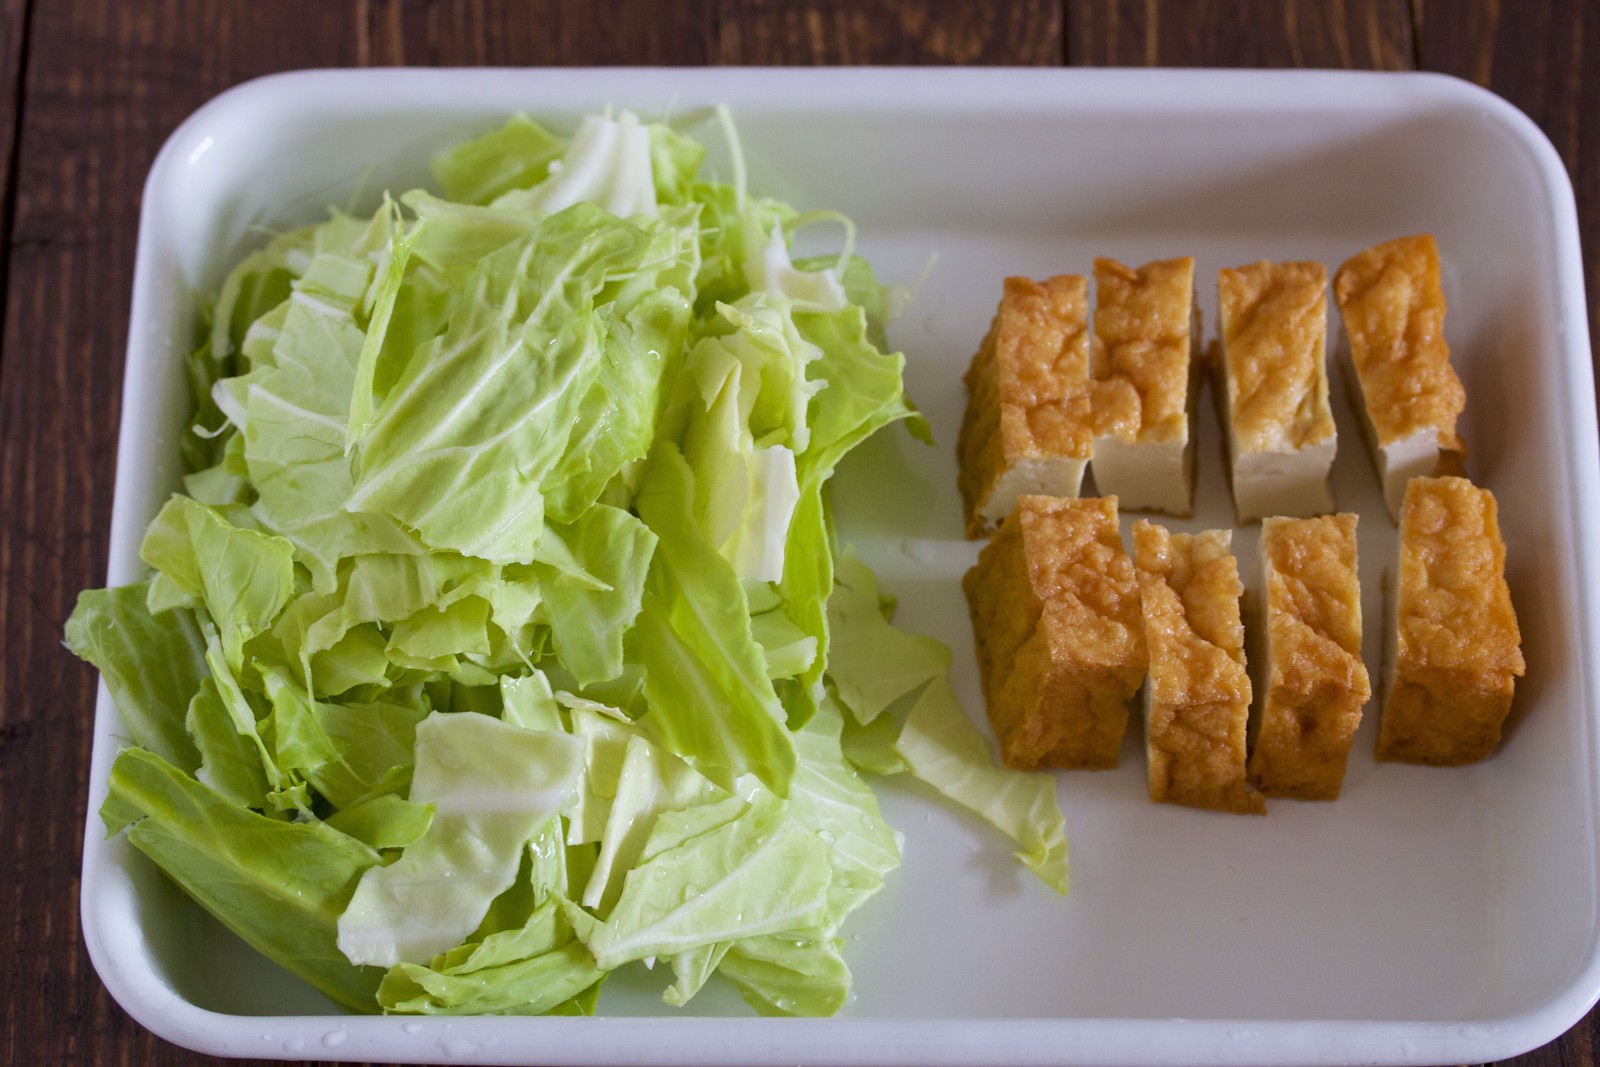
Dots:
pixel 1147 476
pixel 1295 484
pixel 1259 607
pixel 1390 669
pixel 1059 476
pixel 1291 484
pixel 1399 461
pixel 1156 476
pixel 1100 691
pixel 1255 803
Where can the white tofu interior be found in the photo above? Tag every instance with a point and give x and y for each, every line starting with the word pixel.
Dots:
pixel 1145 477
pixel 1293 484
pixel 1402 460
pixel 1399 461
pixel 1045 476
pixel 1155 476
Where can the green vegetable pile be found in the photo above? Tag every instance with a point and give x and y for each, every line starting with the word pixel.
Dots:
pixel 500 637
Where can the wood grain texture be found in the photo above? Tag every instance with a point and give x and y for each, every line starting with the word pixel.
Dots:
pixel 13 46
pixel 88 93
pixel 541 33
pixel 848 32
pixel 1359 34
pixel 1533 54
pixel 1545 59
pixel 106 81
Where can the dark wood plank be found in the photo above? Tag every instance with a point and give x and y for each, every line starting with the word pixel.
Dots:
pixel 1532 54
pixel 1360 34
pixel 542 33
pixel 1575 1048
pixel 760 32
pixel 1543 58
pixel 105 82
pixel 13 35
pixel 13 44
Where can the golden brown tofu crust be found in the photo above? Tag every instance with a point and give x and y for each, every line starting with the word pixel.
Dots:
pixel 1315 681
pixel 1055 616
pixel 1141 353
pixel 1027 387
pixel 1198 692
pixel 1458 649
pixel 1274 322
pixel 1393 307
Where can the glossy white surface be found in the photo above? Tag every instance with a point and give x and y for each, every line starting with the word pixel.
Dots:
pixel 1428 915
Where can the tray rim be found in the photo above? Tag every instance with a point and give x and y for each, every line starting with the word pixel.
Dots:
pixel 139 990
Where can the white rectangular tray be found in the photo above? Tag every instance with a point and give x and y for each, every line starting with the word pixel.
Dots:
pixel 1428 915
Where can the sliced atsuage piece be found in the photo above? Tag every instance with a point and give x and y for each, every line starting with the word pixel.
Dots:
pixel 1144 383
pixel 1055 616
pixel 1273 388
pixel 1197 697
pixel 1454 648
pixel 1392 303
pixel 1315 683
pixel 1026 428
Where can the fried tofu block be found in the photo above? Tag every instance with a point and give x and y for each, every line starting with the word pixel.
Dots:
pixel 1273 388
pixel 1055 614
pixel 1455 650
pixel 1197 698
pixel 1392 303
pixel 1314 679
pixel 1144 381
pixel 1026 428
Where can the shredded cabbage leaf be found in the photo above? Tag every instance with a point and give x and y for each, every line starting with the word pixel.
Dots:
pixel 499 637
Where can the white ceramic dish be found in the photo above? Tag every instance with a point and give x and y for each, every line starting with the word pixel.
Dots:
pixel 1429 915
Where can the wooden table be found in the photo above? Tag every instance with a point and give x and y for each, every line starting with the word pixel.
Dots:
pixel 90 88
